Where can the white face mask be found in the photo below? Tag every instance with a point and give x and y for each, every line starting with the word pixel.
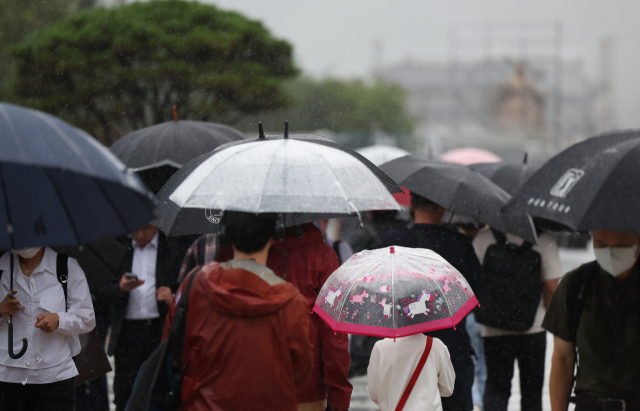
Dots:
pixel 28 252
pixel 616 260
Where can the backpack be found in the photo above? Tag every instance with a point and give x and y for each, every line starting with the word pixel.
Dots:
pixel 512 285
pixel 158 384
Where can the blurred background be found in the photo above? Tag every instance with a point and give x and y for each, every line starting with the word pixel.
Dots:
pixel 427 76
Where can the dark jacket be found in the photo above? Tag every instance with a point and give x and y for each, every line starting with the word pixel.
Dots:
pixel 458 251
pixel 166 275
pixel 245 344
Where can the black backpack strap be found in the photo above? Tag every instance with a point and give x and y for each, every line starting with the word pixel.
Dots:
pixel 336 248
pixel 180 319
pixel 577 298
pixel 499 236
pixel 62 272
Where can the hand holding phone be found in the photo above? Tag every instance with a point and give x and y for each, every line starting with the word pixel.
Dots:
pixel 131 276
pixel 10 306
pixel 129 281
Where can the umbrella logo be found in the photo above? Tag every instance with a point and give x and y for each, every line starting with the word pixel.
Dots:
pixel 568 180
pixel 212 217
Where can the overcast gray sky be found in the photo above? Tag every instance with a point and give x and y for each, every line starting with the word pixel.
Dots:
pixel 335 37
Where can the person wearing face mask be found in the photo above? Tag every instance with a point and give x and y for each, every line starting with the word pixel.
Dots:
pixel 595 319
pixel 44 377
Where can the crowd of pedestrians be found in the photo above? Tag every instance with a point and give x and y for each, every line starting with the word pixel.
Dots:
pixel 249 340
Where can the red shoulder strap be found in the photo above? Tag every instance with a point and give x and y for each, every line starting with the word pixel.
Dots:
pixel 416 374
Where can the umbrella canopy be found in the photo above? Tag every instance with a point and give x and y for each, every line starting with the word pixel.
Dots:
pixel 394 292
pixel 379 154
pixel 469 155
pixel 462 190
pixel 591 185
pixel 100 260
pixel 307 177
pixel 158 151
pixel 508 176
pixel 59 186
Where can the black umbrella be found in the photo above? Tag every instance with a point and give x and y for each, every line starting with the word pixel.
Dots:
pixel 174 220
pixel 100 260
pixel 58 186
pixel 158 151
pixel 461 190
pixel 507 176
pixel 589 186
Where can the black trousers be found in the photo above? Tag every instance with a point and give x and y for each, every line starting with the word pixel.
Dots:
pixel 93 395
pixel 56 396
pixel 138 339
pixel 500 353
pixel 461 399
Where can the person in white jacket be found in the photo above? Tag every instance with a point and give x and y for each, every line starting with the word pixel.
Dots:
pixel 392 364
pixel 43 378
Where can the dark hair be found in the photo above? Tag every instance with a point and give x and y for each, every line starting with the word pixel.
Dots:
pixel 421 202
pixel 249 232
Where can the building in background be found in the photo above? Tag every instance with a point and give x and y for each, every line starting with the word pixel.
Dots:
pixel 506 88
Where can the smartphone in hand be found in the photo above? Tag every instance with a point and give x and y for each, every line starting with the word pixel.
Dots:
pixel 131 276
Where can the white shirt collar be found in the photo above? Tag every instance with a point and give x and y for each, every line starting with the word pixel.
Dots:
pixel 47 264
pixel 153 242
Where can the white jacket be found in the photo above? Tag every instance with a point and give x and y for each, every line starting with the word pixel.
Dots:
pixel 392 365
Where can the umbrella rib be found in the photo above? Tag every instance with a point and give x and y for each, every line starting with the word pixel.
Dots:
pixel 266 175
pixel 159 141
pixel 113 207
pixel 210 171
pixel 344 195
pixel 6 202
pixel 45 118
pixel 353 284
pixel 11 127
pixel 139 139
pixel 436 282
pixel 64 205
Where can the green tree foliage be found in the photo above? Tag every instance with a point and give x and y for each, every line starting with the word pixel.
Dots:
pixel 18 18
pixel 357 111
pixel 110 71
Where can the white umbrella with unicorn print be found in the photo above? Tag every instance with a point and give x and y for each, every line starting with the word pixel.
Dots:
pixel 394 292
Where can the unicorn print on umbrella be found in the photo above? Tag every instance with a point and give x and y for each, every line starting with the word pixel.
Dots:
pixel 420 306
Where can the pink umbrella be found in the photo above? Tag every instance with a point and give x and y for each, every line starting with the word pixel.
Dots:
pixel 394 292
pixel 469 155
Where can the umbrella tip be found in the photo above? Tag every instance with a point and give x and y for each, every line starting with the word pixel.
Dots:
pixel 392 250
pixel 526 156
pixel 260 131
pixel 286 129
pixel 175 113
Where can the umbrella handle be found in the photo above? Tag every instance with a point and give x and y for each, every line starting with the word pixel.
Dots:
pixel 25 343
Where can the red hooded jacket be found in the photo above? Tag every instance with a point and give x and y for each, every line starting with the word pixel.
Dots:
pixel 310 261
pixel 245 345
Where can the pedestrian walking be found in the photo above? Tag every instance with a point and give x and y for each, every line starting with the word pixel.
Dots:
pixel 428 232
pixel 141 297
pixel 247 329
pixel 50 308
pixel 342 248
pixel 399 293
pixel 309 262
pixel 394 363
pixel 520 279
pixel 594 318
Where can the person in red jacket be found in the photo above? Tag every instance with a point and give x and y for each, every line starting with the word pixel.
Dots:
pixel 246 340
pixel 309 262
